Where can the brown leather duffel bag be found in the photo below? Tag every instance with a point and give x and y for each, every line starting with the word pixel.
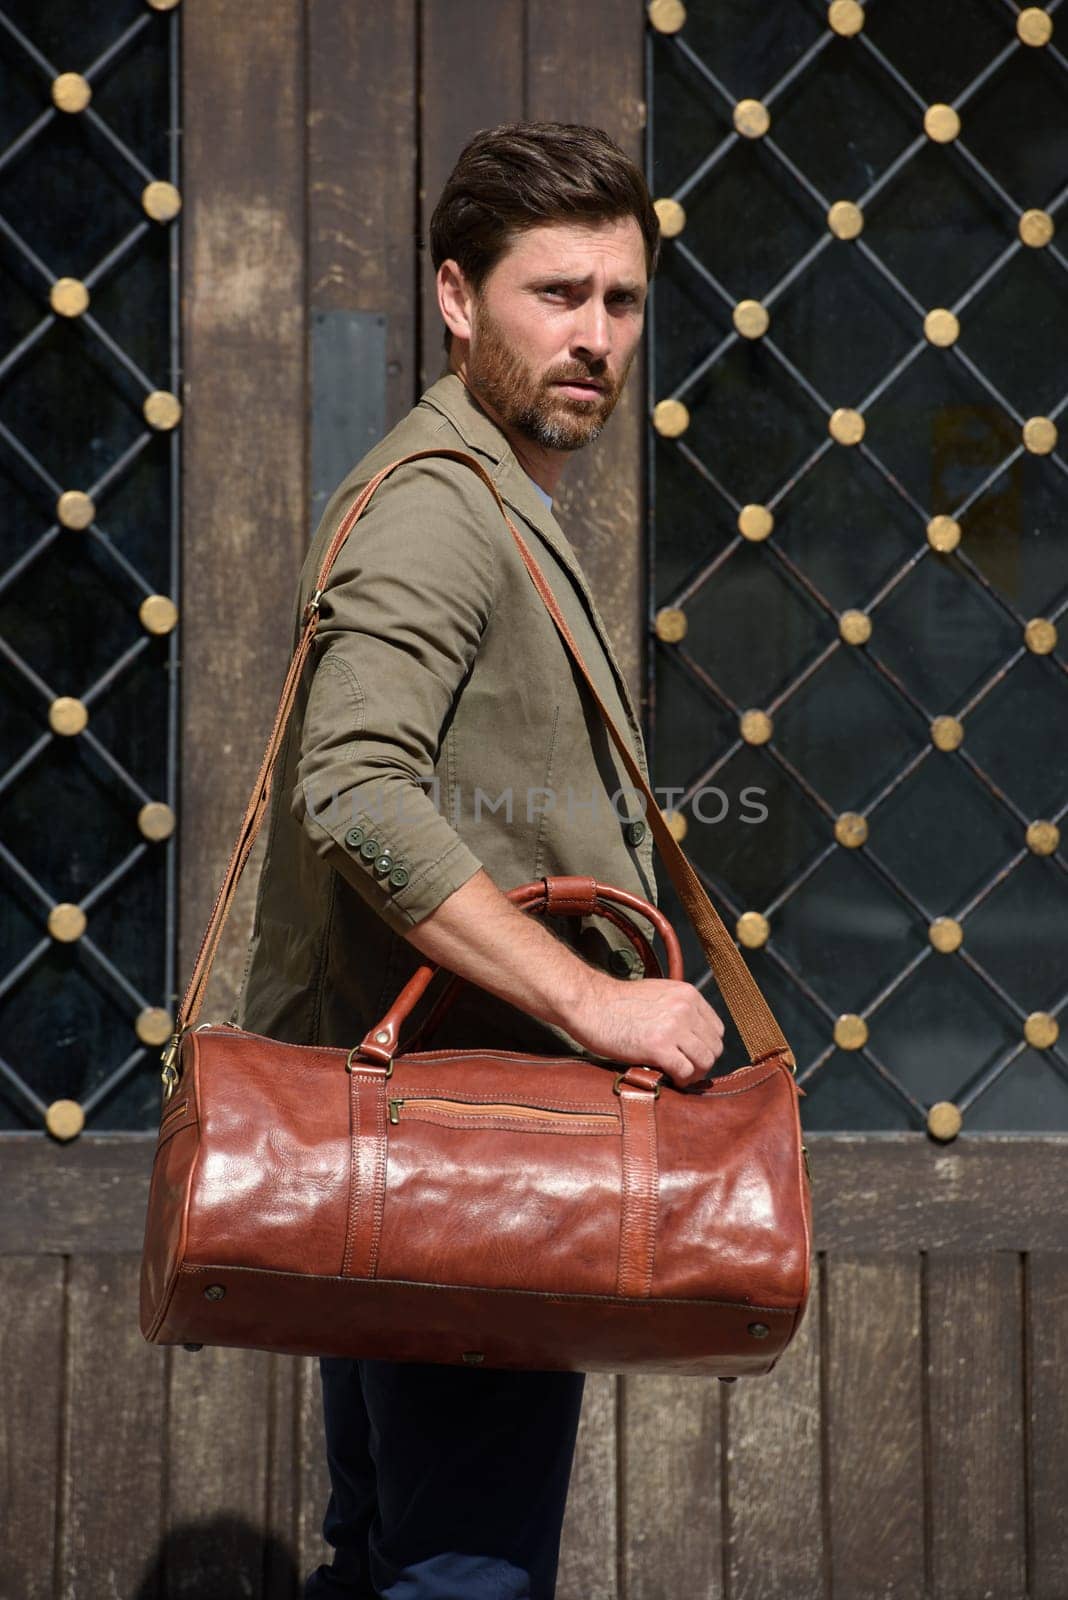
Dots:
pixel 479 1206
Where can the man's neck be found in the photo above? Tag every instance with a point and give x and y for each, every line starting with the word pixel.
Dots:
pixel 544 466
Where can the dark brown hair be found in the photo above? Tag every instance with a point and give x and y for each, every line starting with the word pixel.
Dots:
pixel 525 174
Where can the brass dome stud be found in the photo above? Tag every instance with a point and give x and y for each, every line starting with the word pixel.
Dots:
pixel 755 727
pixel 74 509
pixel 755 522
pixel 670 418
pixel 71 92
pixel 944 1120
pixel 941 123
pixel 850 1031
pixel 1034 27
pixel 845 219
pixel 752 929
pixel 943 534
pixel 64 1119
pixel 851 829
pixel 947 733
pixel 946 935
pixel 671 216
pixel 846 426
pixel 666 16
pixel 752 119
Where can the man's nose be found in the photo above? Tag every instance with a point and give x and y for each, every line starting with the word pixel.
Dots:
pixel 592 333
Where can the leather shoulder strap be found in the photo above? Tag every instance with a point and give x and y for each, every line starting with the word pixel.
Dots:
pixel 752 1014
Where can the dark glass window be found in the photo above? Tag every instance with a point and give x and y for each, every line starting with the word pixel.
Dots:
pixel 88 558
pixel 835 438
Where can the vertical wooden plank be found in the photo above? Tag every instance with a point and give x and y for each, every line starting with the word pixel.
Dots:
pixel 874 1427
pixel 218 1471
pixel 775 1544
pixel 1047 1407
pixel 243 490
pixel 281 1552
pixel 671 1473
pixel 113 1427
pixel 312 1483
pixel 588 1544
pixel 472 58
pixel 362 203
pixel 975 1401
pixel 585 64
pixel 31 1356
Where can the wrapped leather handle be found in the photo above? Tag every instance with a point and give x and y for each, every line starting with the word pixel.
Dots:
pixel 560 896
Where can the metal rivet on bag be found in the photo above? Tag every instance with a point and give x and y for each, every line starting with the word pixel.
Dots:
pixel 473 1357
pixel 214 1291
pixel 759 1330
pixel 382 1036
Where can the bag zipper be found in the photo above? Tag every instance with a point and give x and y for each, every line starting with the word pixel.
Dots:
pixel 495 1108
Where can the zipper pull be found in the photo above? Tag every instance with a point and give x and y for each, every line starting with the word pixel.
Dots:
pixel 394 1110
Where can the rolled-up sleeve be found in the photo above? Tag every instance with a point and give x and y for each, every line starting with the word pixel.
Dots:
pixel 400 622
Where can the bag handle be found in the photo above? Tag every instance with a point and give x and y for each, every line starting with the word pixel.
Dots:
pixel 560 896
pixel 752 1015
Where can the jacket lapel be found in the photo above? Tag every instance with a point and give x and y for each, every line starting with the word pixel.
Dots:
pixel 451 397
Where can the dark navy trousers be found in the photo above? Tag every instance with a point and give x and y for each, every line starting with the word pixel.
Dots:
pixel 447 1483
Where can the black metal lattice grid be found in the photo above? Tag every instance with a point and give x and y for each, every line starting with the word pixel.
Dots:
pixel 774 552
pixel 130 582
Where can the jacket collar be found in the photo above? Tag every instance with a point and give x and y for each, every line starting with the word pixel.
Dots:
pixel 450 396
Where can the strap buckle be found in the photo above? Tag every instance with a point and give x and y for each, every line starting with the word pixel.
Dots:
pixel 312 608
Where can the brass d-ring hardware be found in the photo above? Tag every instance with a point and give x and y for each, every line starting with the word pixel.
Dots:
pixel 350 1068
pixel 619 1078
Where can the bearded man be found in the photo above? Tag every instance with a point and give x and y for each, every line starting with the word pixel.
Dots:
pixel 442 750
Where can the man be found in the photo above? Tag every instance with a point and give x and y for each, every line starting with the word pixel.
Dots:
pixel 440 752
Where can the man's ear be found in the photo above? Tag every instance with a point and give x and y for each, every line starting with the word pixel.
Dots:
pixel 454 299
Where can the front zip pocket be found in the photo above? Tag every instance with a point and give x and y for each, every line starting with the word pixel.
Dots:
pixel 429 1107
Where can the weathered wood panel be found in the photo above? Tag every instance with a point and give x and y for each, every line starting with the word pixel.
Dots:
pixel 773 1472
pixel 589 1549
pixel 312 1489
pixel 218 1471
pixel 31 1349
pixel 111 1482
pixel 362 202
pixel 873 1425
pixel 1046 1402
pixel 584 64
pixel 243 496
pixel 472 57
pixel 670 1467
pixel 975 1411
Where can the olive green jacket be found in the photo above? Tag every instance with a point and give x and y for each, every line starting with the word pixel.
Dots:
pixel 439 727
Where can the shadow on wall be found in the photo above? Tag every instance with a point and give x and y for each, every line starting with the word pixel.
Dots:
pixel 223 1558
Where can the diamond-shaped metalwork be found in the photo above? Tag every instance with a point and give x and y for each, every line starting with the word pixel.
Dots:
pixel 88 330
pixel 852 211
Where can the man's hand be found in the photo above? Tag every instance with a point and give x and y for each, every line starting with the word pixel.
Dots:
pixel 653 1022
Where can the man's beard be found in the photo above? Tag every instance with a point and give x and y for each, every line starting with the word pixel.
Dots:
pixel 497 374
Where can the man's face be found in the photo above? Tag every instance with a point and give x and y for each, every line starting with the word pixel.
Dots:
pixel 555 327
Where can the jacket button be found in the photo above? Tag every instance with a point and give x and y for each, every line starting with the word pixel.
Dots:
pixel 398 877
pixel 624 962
pixel 634 832
pixel 369 849
pixel 354 837
pixel 383 864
